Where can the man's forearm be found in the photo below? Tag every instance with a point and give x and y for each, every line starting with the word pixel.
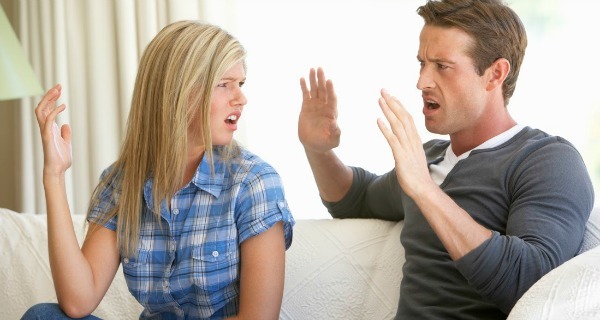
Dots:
pixel 457 230
pixel 333 177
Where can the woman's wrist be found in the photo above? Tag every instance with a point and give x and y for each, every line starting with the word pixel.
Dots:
pixel 53 178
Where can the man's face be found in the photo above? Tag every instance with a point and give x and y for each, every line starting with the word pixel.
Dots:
pixel 454 95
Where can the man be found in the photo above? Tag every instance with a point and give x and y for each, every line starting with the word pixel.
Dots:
pixel 487 213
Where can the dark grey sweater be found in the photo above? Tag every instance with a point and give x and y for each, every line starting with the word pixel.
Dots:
pixel 533 192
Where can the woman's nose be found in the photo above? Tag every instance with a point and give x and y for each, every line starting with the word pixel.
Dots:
pixel 239 98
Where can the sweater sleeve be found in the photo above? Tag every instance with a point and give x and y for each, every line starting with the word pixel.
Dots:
pixel 370 196
pixel 552 197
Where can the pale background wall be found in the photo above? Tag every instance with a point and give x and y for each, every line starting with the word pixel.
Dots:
pixel 557 89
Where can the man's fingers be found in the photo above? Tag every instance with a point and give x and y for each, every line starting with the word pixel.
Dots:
pixel 322 84
pixel 394 104
pixel 401 122
pixel 318 88
pixel 398 109
pixel 389 135
pixel 398 127
pixel 305 91
pixel 312 77
pixel 331 96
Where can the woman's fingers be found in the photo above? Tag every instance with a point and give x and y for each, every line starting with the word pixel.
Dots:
pixel 46 105
pixel 51 117
pixel 65 133
pixel 56 140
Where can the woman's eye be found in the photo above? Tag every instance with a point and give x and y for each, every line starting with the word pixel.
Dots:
pixel 222 85
pixel 242 84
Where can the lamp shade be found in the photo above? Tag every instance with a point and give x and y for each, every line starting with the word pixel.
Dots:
pixel 17 79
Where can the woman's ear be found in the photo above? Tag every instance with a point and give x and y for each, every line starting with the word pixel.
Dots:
pixel 497 73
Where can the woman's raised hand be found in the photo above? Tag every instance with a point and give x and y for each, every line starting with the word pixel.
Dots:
pixel 56 141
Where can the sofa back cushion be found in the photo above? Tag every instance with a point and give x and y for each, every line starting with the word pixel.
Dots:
pixel 591 238
pixel 343 269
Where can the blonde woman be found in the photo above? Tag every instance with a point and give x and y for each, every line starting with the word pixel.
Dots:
pixel 199 224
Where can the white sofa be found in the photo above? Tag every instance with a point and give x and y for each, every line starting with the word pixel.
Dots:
pixel 335 269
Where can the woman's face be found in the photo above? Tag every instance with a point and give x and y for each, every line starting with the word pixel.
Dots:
pixel 227 104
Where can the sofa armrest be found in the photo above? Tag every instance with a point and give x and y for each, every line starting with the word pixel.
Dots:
pixel 591 237
pixel 570 291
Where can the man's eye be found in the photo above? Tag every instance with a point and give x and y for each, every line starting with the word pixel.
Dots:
pixel 441 66
pixel 242 84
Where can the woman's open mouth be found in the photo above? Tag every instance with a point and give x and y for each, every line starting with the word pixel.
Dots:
pixel 232 119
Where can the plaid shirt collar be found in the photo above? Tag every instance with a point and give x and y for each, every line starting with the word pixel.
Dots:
pixel 203 179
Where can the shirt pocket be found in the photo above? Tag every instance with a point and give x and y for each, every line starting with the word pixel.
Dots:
pixel 134 262
pixel 215 264
pixel 137 275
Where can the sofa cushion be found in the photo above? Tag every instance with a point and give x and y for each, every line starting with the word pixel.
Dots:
pixel 335 269
pixel 343 269
pixel 27 279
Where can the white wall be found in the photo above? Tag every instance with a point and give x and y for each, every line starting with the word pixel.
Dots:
pixel 367 45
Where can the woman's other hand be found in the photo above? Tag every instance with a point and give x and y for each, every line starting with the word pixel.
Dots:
pixel 56 140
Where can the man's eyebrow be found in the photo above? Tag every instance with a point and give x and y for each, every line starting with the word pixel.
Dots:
pixel 436 60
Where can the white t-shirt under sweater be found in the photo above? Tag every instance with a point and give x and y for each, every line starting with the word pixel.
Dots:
pixel 440 170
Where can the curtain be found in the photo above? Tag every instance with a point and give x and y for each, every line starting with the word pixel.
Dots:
pixel 92 49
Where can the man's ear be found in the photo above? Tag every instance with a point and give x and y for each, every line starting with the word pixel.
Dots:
pixel 497 73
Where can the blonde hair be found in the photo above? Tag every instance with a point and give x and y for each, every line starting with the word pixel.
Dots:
pixel 177 74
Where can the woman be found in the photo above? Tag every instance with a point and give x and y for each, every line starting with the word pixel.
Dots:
pixel 200 224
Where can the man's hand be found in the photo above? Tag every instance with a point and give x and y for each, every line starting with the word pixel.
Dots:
pixel 407 147
pixel 317 124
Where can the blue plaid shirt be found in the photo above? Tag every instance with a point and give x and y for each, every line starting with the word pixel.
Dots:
pixel 188 266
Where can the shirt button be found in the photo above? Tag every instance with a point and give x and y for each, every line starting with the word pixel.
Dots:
pixel 172 246
pixel 165 284
pixel 215 253
pixel 175 211
pixel 126 260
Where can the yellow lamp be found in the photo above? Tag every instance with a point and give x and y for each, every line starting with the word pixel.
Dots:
pixel 17 79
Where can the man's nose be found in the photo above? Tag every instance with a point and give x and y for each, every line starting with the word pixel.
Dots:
pixel 425 80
